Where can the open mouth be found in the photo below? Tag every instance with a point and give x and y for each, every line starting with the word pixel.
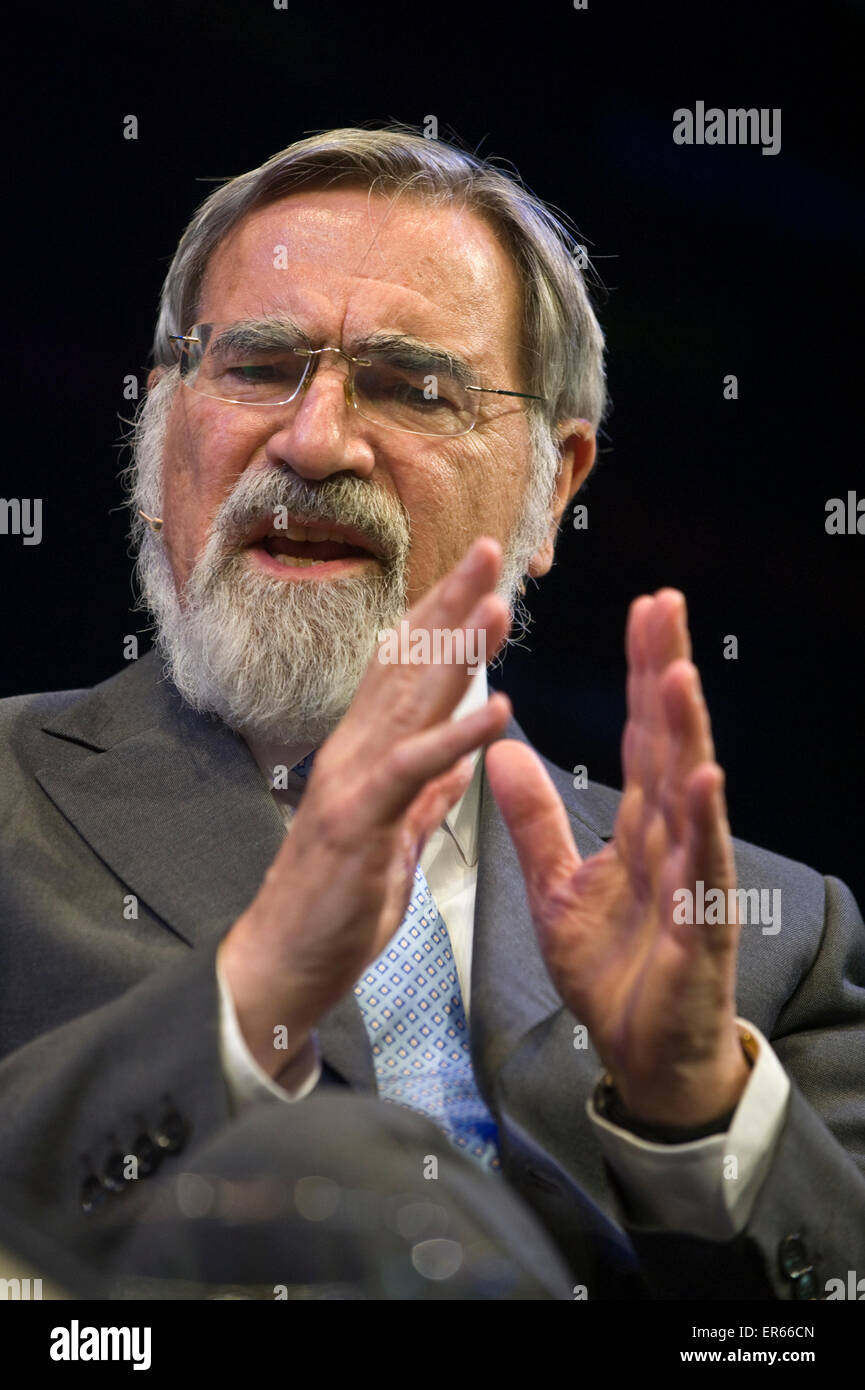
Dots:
pixel 312 546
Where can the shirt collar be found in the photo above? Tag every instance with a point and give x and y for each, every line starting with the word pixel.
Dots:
pixel 463 817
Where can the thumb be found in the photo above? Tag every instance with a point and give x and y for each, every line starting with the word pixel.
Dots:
pixel 534 813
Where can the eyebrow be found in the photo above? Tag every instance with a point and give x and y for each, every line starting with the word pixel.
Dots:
pixel 260 335
pixel 401 350
pixel 413 354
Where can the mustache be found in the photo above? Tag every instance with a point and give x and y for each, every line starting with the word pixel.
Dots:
pixel 342 500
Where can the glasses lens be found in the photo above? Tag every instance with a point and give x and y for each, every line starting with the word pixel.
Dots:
pixel 231 363
pixel 411 401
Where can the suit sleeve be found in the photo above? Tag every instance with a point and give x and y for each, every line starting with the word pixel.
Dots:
pixel 93 1108
pixel 807 1222
pixel 708 1186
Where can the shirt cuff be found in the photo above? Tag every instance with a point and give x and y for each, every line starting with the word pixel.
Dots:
pixel 707 1187
pixel 247 1082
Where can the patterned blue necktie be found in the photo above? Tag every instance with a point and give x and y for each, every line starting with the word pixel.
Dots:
pixel 412 1007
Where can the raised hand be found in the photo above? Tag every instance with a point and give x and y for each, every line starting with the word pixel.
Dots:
pixel 656 995
pixel 380 785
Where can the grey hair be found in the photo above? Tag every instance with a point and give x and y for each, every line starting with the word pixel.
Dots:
pixel 563 346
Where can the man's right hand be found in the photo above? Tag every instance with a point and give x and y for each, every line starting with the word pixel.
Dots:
pixel 381 784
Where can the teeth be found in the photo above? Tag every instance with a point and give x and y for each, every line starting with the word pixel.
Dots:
pixel 305 533
pixel 304 560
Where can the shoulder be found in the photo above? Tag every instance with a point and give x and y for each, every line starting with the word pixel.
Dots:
pixel 35 728
pixel 23 715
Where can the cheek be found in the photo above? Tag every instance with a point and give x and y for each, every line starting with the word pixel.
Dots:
pixel 490 482
pixel 468 488
pixel 440 510
pixel 204 457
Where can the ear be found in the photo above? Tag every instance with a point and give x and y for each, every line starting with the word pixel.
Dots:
pixel 578 447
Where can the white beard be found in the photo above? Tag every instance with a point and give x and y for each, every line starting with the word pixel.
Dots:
pixel 277 660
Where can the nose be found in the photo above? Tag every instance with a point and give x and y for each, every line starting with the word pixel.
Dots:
pixel 321 433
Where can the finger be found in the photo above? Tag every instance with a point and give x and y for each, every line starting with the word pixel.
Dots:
pixel 436 799
pixel 535 817
pixel 666 641
pixel 639 843
pixel 456 593
pixel 635 647
pixel 687 718
pixel 642 747
pixel 667 636
pixel 450 602
pixel 458 630
pixel 413 761
pixel 709 853
pixel 657 636
pixel 420 696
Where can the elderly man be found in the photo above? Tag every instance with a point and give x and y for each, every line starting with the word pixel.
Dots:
pixel 457 984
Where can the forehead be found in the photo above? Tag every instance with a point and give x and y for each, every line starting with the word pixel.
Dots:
pixel 342 262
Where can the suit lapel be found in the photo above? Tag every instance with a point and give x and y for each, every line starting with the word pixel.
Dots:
pixel 511 990
pixel 171 801
pixel 174 804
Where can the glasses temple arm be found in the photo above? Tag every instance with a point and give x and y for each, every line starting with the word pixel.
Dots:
pixel 492 391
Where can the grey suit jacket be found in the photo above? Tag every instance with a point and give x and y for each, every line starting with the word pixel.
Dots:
pixel 135 832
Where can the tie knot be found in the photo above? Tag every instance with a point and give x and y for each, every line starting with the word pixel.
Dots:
pixel 304 767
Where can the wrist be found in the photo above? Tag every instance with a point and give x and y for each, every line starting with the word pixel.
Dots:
pixel 685 1121
pixel 299 1065
pixel 275 1032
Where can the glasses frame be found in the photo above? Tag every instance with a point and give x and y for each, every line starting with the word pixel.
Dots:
pixel 348 386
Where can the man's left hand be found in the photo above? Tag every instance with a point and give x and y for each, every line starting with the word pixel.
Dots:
pixel 657 996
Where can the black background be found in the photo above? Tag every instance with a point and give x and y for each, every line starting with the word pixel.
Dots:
pixel 716 260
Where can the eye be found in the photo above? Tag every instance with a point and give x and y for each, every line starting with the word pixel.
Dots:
pixel 262 376
pixel 424 394
pixel 414 396
pixel 255 372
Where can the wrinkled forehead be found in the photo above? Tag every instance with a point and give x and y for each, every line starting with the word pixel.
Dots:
pixel 345 261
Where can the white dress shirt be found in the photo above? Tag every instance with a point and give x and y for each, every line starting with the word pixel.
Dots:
pixel 705 1188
